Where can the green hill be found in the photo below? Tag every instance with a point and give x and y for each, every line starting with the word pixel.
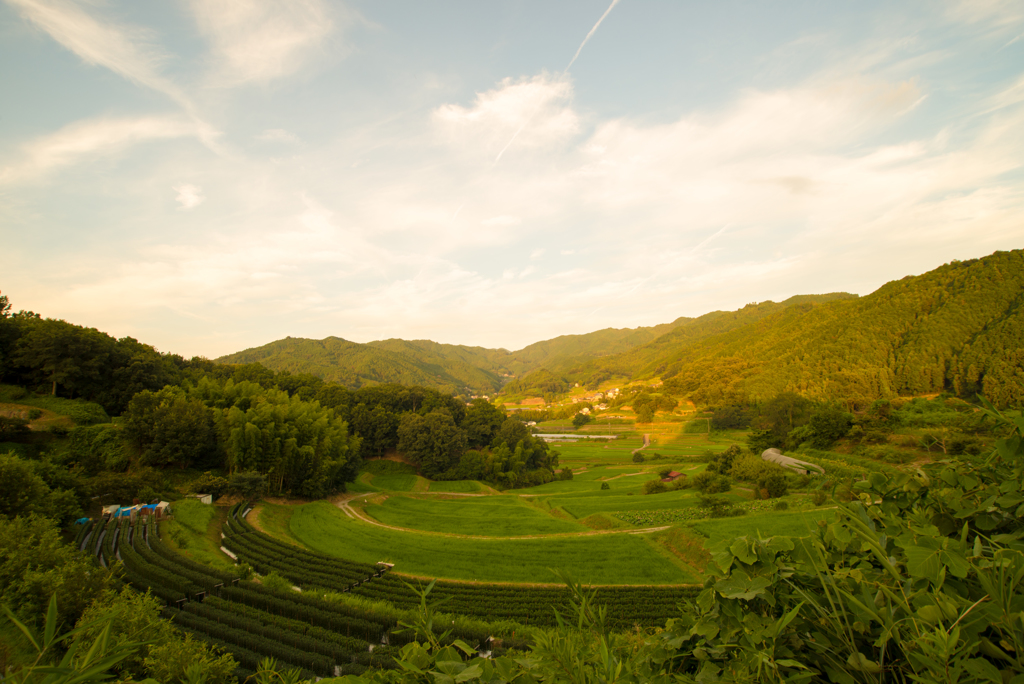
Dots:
pixel 957 328
pixel 355 365
pixel 448 367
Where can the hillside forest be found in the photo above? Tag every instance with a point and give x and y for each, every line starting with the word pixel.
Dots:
pixel 954 329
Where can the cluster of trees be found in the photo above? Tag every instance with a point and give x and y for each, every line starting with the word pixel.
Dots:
pixel 446 450
pixel 645 404
pixel 306 436
pixel 301 447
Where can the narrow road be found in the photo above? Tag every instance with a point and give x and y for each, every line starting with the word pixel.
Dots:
pixel 647 443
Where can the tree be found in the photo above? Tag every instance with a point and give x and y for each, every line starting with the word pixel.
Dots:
pixel 434 442
pixel 730 418
pixel 248 484
pixel 60 353
pixel 169 429
pixel 654 487
pixel 722 463
pixel 136 618
pixel 829 424
pixel 35 564
pixel 645 413
pixel 21 490
pixel 581 419
pixel 482 422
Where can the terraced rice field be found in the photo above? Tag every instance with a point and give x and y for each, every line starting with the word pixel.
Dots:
pixel 488 516
pixel 595 559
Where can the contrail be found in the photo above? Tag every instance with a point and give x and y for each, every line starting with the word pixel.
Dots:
pixel 592 31
pixel 564 71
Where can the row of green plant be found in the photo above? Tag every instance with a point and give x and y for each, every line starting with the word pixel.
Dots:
pixel 300 557
pixel 627 605
pixel 679 515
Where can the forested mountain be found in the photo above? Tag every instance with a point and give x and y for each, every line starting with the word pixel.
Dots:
pixel 445 367
pixel 448 367
pixel 957 328
pixel 571 349
pixel 562 372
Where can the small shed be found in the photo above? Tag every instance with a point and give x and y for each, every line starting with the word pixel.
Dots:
pixel 111 510
pixel 203 498
pixel 672 476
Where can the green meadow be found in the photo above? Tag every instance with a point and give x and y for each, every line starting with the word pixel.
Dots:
pixel 488 516
pixel 596 559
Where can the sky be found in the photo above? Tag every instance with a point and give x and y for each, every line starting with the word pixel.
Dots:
pixel 212 175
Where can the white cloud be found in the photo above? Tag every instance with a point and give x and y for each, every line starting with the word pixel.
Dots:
pixel 129 51
pixel 535 111
pixel 260 40
pixel 537 253
pixel 189 196
pixel 90 139
pixel 277 135
pixel 567 252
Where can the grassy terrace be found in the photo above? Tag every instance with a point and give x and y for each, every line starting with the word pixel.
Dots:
pixel 489 516
pixel 600 559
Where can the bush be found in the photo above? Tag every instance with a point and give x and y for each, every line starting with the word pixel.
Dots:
pixel 248 484
pixel 654 487
pixel 565 474
pixel 605 485
pixel 819 497
pixel 208 483
pixel 34 414
pixel 781 505
pixel 711 483
pixel 774 484
pixel 664 472
pixel 638 457
pixel 276 582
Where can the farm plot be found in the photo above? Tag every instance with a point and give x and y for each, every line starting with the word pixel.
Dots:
pixel 772 524
pixel 488 516
pixel 573 453
pixel 598 559
pixel 458 486
pixel 394 482
pixel 611 501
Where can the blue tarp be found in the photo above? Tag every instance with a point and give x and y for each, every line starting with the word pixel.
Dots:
pixel 82 521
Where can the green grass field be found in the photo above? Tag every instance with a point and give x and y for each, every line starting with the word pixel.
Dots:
pixel 787 524
pixel 394 482
pixel 488 516
pixel 459 486
pixel 610 501
pixel 600 559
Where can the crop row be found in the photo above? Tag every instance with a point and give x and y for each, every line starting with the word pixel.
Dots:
pixel 265 561
pixel 677 515
pixel 321 665
pixel 626 605
pixel 230 620
pixel 236 524
pixel 256 615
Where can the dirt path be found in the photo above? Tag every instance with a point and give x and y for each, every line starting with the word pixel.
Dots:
pixel 647 443
pixel 356 514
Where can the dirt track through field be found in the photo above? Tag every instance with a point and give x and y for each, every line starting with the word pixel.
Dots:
pixel 351 512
